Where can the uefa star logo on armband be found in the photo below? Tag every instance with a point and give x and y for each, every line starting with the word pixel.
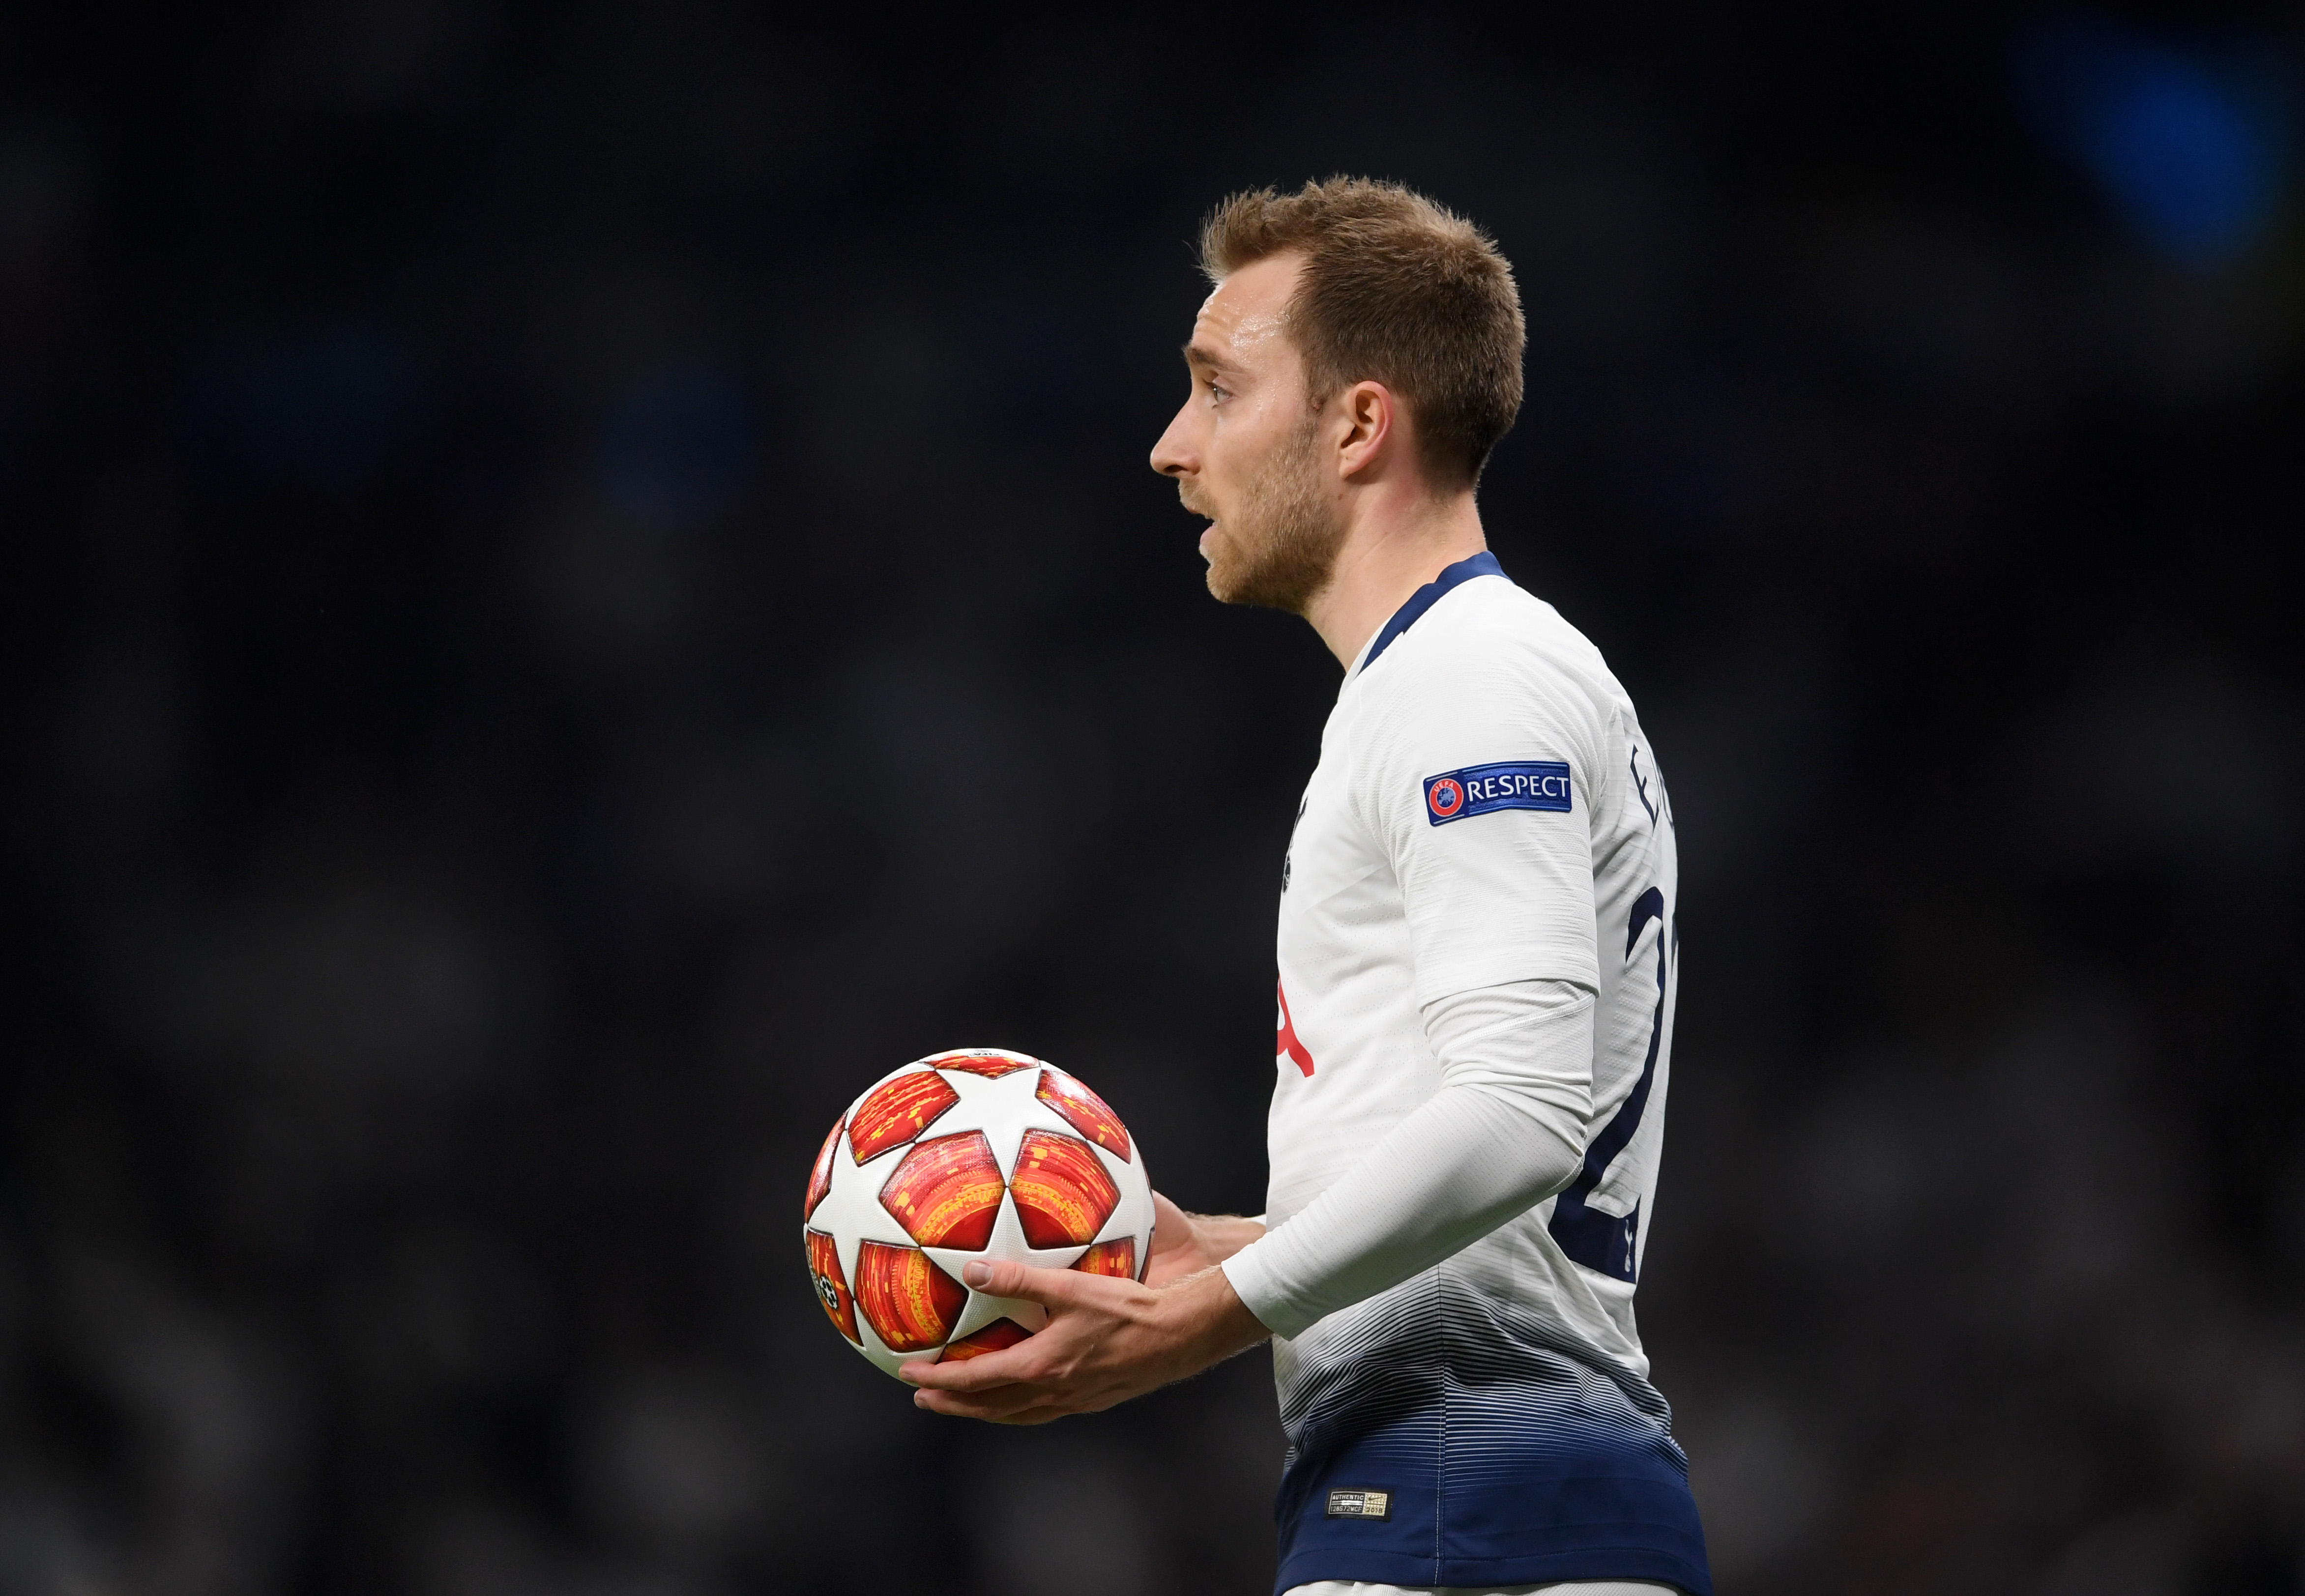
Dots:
pixel 1483 789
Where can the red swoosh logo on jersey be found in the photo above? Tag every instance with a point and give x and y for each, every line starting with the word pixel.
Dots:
pixel 1286 1040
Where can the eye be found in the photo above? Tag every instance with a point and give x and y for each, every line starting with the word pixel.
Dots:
pixel 1216 391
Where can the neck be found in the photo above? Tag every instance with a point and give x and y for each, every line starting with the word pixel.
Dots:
pixel 1396 544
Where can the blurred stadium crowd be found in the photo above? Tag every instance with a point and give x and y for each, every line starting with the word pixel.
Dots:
pixel 582 581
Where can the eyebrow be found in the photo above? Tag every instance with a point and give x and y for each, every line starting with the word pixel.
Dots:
pixel 1196 355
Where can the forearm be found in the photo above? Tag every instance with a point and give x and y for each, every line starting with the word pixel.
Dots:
pixel 1208 1320
pixel 1218 1237
pixel 1187 1243
pixel 1505 1131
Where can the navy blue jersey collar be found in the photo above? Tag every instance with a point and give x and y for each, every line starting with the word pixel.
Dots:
pixel 1483 564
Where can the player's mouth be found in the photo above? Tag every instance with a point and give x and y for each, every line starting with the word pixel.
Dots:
pixel 1185 497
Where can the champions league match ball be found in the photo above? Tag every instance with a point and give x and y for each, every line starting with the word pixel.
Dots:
pixel 978 1153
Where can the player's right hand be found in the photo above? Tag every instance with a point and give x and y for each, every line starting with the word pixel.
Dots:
pixel 1106 1341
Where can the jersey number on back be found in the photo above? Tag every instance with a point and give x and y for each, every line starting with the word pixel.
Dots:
pixel 1609 1244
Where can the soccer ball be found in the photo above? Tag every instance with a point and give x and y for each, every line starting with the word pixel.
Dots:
pixel 979 1154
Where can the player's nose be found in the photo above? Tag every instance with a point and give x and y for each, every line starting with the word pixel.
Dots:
pixel 1173 456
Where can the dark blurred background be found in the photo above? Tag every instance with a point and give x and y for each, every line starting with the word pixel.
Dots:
pixel 581 581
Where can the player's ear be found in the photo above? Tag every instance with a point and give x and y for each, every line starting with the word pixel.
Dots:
pixel 1368 420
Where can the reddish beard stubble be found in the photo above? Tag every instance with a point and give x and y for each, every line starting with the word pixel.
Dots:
pixel 1279 549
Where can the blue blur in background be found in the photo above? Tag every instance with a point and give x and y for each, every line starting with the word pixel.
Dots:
pixel 2190 146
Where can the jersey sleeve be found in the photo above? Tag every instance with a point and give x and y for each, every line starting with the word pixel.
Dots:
pixel 1505 1131
pixel 1478 772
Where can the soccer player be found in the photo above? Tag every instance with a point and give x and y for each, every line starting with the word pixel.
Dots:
pixel 1478 964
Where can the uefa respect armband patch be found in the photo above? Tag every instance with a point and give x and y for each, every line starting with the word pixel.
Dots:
pixel 1480 789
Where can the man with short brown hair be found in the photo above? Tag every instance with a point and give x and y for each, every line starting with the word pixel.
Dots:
pixel 1477 967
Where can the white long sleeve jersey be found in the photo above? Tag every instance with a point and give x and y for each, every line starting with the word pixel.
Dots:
pixel 1486 834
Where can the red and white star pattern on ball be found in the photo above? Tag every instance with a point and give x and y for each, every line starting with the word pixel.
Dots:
pixel 975 1153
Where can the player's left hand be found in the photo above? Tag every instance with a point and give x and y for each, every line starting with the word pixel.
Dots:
pixel 1106 1340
